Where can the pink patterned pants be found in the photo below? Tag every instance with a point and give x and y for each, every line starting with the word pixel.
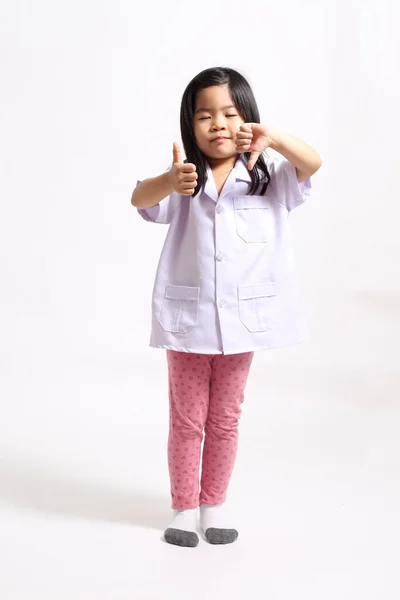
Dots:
pixel 205 393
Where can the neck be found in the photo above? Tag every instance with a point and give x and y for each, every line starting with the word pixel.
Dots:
pixel 222 164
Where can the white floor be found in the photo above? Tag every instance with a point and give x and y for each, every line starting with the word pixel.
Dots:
pixel 316 488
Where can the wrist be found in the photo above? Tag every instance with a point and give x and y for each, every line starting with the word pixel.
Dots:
pixel 275 138
pixel 167 180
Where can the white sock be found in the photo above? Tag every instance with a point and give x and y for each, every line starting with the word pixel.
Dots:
pixel 217 524
pixel 182 530
pixel 185 520
pixel 217 517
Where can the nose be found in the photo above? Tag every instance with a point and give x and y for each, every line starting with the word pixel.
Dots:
pixel 218 123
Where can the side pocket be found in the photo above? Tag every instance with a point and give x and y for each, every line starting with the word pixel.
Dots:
pixel 256 306
pixel 179 309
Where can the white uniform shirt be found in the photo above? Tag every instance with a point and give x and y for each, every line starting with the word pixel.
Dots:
pixel 225 281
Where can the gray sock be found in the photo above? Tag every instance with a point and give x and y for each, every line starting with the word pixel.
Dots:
pixel 179 537
pixel 221 536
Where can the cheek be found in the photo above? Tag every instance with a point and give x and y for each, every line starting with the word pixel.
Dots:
pixel 199 134
pixel 195 133
pixel 197 137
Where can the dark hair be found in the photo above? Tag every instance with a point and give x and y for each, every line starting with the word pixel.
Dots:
pixel 243 98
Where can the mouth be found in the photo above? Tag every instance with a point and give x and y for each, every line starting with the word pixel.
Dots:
pixel 219 139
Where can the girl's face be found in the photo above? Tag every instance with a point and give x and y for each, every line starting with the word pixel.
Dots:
pixel 216 116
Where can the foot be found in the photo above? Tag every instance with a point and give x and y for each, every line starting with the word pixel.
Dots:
pixel 216 525
pixel 182 530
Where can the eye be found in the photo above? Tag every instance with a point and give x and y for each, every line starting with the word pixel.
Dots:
pixel 202 118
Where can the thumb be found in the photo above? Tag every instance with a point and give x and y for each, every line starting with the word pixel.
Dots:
pixel 177 153
pixel 253 159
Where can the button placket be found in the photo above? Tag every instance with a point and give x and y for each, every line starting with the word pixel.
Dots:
pixel 219 256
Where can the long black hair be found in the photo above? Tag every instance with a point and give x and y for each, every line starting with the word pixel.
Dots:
pixel 243 99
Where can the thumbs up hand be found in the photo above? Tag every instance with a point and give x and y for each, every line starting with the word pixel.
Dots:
pixel 183 176
pixel 253 138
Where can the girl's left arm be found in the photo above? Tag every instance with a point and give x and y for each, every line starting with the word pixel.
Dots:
pixel 256 137
pixel 306 160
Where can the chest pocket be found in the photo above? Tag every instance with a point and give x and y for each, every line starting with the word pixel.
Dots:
pixel 253 218
pixel 179 308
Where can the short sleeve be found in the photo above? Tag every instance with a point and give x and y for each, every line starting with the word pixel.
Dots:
pixel 162 212
pixel 284 184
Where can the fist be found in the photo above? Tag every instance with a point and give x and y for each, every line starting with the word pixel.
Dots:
pixel 183 176
pixel 253 138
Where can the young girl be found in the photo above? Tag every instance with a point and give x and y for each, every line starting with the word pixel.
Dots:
pixel 225 283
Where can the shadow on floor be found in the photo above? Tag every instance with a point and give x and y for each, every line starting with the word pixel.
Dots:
pixel 42 488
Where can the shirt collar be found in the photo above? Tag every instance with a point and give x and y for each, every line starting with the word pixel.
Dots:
pixel 239 172
pixel 240 169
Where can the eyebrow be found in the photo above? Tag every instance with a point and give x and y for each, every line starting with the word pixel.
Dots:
pixel 211 109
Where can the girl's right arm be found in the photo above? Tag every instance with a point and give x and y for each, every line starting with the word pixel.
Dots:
pixel 150 191
pixel 181 178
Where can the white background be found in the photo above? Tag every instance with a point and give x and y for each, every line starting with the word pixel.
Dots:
pixel 90 99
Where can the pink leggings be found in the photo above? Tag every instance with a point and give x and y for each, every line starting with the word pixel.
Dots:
pixel 205 392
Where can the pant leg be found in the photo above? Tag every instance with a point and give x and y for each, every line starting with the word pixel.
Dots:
pixel 189 388
pixel 228 381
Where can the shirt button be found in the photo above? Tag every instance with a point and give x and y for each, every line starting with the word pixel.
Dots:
pixel 221 303
pixel 219 208
pixel 219 256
